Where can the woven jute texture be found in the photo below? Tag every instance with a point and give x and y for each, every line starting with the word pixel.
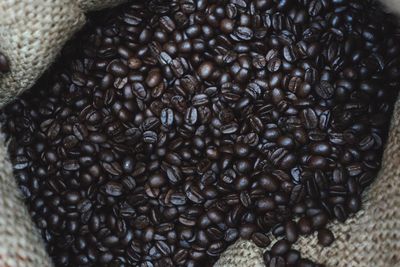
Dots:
pixel 32 32
pixel 20 244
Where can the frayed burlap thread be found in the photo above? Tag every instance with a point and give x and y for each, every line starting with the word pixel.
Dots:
pixel 32 33
pixel 369 239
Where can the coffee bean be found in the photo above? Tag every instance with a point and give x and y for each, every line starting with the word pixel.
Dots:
pixel 269 183
pixel 4 64
pixel 139 90
pixel 71 165
pixel 117 68
pixel 260 239
pixel 280 248
pixel 354 203
pixel 247 230
pixel 325 237
pixel 167 24
pixel 153 78
pixel 157 180
pixel 319 220
pixel 315 7
pixel 305 225
pixel 205 70
pixel 167 117
pixel 243 33
pixel 150 137
pixel 274 64
pixel 291 232
pixel 72 197
pixel 113 189
pixel 324 89
pixel 191 116
pixel 292 257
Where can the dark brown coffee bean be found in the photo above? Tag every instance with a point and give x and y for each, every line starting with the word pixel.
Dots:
pixel 113 189
pixel 305 225
pixel 205 70
pixel 325 90
pixel 310 118
pixel 139 90
pixel 153 78
pixel 260 239
pixel 70 165
pixel 325 237
pixel 4 64
pixel 117 68
pixel 150 137
pixel 191 116
pixel 280 248
pixel 157 180
pixel 292 257
pixel 167 24
pixel 269 183
pixel 243 33
pixel 319 220
pixel 354 203
pixel 247 230
pixel 72 197
pixel 291 232
pixel 274 64
pixel 315 7
pixel 180 256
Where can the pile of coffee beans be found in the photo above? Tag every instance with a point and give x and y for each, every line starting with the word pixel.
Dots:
pixel 4 65
pixel 169 129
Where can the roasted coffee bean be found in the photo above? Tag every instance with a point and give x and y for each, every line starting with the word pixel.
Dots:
pixel 113 189
pixel 260 239
pixel 319 220
pixel 117 68
pixel 325 237
pixel 280 248
pixel 305 225
pixel 167 130
pixel 325 90
pixel 274 64
pixel 291 231
pixel 268 182
pixel 292 257
pixel 247 230
pixel 243 33
pixel 205 70
pixel 277 261
pixel 191 116
pixel 4 64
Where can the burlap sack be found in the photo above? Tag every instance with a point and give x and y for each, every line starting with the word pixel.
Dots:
pixel 31 34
